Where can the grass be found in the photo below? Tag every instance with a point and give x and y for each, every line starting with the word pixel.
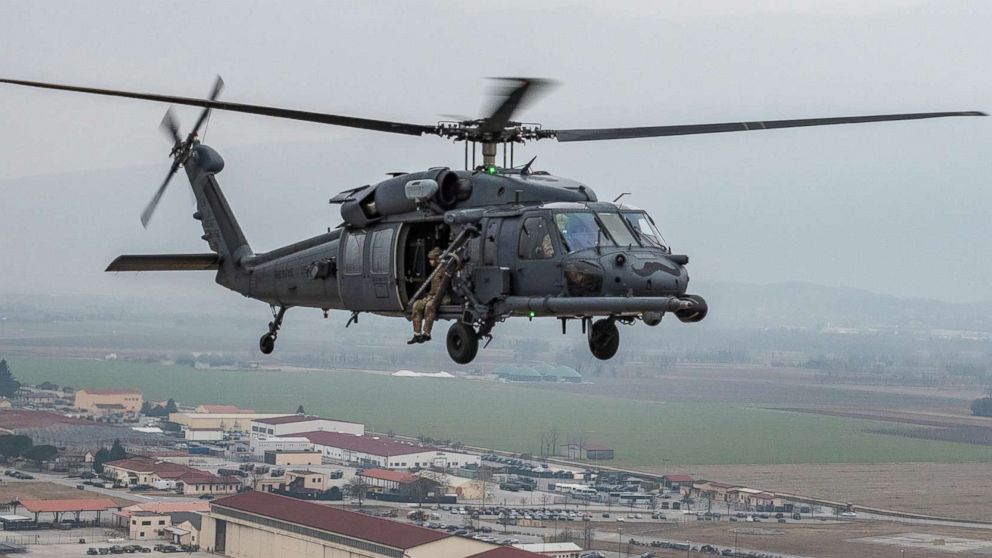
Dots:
pixel 513 417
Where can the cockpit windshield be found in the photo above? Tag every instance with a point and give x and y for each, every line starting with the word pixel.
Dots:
pixel 580 230
pixel 644 229
pixel 617 229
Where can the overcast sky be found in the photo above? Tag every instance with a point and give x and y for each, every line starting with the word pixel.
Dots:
pixel 897 208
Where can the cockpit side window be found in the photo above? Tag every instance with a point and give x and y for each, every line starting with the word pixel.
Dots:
pixel 580 230
pixel 644 228
pixel 535 240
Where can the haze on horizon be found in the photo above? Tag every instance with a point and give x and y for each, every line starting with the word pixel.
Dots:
pixel 895 208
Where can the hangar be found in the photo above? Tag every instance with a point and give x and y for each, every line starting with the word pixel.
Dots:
pixel 261 525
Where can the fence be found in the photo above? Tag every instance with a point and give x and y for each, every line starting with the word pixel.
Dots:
pixel 67 537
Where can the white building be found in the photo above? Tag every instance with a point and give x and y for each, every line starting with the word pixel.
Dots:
pixel 204 434
pixel 295 424
pixel 552 550
pixel 261 444
pixel 384 452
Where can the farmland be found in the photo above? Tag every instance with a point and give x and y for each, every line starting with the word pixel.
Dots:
pixel 513 417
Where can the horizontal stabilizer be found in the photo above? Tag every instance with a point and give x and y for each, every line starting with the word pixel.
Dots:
pixel 165 262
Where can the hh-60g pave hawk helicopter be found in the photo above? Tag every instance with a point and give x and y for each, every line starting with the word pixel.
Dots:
pixel 516 242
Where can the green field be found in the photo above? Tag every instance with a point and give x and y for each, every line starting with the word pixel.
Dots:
pixel 512 417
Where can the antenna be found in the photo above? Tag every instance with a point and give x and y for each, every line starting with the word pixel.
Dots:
pixel 526 170
pixel 616 199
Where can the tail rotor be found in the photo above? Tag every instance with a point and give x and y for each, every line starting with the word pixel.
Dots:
pixel 181 149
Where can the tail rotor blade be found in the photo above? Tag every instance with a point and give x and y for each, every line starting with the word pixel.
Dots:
pixel 146 215
pixel 214 93
pixel 171 125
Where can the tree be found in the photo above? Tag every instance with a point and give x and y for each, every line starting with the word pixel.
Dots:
pixel 8 384
pixel 170 406
pixel 300 411
pixel 14 446
pixel 48 386
pixel 41 454
pixel 117 451
pixel 146 409
pixel 356 488
pixel 102 456
pixel 982 407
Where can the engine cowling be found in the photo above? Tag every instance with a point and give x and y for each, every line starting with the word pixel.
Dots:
pixel 390 197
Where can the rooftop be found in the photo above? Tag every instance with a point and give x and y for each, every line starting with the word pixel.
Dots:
pixel 372 445
pixel 166 507
pixel 550 547
pixel 505 552
pixel 113 391
pixel 333 520
pixel 222 409
pixel 678 478
pixel 290 419
pixel 68 505
pixel 142 464
pixel 387 475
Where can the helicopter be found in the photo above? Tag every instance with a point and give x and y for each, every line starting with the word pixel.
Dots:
pixel 516 242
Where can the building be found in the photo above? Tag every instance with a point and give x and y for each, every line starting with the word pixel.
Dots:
pixel 226 422
pixel 306 480
pixel 552 550
pixel 400 486
pixel 166 475
pixel 261 525
pixel 374 451
pixel 167 508
pixel 292 457
pixel 296 424
pixel 59 507
pixel 204 434
pixel 590 451
pixel 258 445
pixel 146 525
pixel 141 470
pixel 386 479
pixel 5 403
pixel 222 409
pixel 677 481
pixel 185 528
pixel 99 403
pixel 713 491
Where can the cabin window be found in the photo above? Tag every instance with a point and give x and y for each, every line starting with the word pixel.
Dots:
pixel 354 253
pixel 489 254
pixel 535 240
pixel 382 244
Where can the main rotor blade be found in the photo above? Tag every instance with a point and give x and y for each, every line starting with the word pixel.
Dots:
pixel 218 85
pixel 171 125
pixel 322 118
pixel 146 215
pixel 594 134
pixel 513 98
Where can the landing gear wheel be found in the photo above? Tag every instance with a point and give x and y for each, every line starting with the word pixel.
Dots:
pixel 463 343
pixel 267 344
pixel 604 339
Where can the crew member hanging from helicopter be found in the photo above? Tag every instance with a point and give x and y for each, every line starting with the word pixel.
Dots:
pixel 425 309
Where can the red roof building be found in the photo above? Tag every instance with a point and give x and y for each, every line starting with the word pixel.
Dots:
pixel 333 520
pixel 68 505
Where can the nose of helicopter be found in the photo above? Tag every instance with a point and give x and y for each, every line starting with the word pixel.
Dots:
pixel 645 274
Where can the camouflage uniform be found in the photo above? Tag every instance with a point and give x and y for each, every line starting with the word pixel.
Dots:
pixel 425 309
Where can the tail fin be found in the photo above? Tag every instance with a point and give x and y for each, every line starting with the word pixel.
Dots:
pixel 220 228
